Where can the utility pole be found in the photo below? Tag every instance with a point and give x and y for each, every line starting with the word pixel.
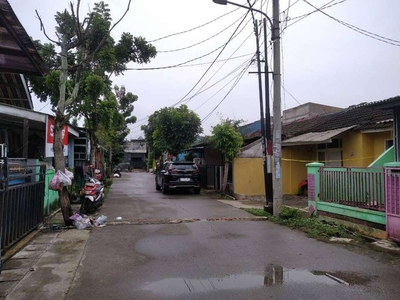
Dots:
pixel 277 122
pixel 268 136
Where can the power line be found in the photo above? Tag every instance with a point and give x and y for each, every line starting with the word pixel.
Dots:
pixel 188 61
pixel 194 28
pixel 187 100
pixel 360 30
pixel 201 42
pixel 217 61
pixel 314 11
pixel 223 48
pixel 142 121
pixel 226 95
pixel 219 55
pixel 325 6
pixel 289 6
pixel 245 63
pixel 200 91
pixel 200 64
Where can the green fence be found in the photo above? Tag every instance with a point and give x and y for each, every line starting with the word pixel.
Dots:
pixel 350 192
pixel 359 187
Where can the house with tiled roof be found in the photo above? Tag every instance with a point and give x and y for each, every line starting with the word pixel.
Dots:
pixel 351 137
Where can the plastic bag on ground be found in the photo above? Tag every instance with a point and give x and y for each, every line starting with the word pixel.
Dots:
pixel 75 216
pixel 101 220
pixel 82 223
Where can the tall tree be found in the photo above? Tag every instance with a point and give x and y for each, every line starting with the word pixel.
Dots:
pixel 115 114
pixel 173 129
pixel 227 139
pixel 85 48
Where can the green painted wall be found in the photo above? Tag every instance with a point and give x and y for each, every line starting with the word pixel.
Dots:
pixel 50 196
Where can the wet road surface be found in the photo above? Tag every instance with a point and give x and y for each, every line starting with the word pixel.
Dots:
pixel 217 259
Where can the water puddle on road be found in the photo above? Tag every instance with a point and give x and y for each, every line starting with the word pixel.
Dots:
pixel 272 276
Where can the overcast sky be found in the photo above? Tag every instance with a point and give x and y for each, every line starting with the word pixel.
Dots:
pixel 323 61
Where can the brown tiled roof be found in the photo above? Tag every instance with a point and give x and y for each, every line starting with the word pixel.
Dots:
pixel 363 116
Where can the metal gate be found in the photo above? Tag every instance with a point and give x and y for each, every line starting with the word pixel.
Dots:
pixel 210 176
pixel 21 200
pixel 392 195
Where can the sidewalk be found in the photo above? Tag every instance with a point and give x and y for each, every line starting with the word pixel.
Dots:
pixel 45 268
pixel 298 202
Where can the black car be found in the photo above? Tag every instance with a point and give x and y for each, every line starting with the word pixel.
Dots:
pixel 178 175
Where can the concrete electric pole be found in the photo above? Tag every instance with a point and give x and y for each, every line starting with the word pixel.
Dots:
pixel 277 121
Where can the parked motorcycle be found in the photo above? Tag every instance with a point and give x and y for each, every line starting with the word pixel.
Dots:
pixel 93 193
pixel 117 172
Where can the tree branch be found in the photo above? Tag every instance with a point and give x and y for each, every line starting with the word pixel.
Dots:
pixel 123 16
pixel 42 28
pixel 109 31
pixel 77 23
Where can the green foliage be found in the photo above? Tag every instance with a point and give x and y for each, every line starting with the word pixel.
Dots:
pixel 108 182
pixel 313 227
pixel 289 213
pixel 172 129
pixel 257 212
pixel 227 139
pixel 87 39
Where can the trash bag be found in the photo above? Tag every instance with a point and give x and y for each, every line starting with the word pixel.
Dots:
pixel 69 174
pixel 82 223
pixel 101 220
pixel 55 183
pixel 66 181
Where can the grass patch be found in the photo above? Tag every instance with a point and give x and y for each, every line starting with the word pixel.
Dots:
pixel 259 212
pixel 107 185
pixel 313 227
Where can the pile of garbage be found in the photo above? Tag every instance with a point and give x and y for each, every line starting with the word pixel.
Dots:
pixel 82 221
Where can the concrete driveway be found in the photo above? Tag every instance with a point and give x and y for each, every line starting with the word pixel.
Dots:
pixel 215 258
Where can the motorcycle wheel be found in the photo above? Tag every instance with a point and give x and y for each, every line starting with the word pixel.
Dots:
pixel 86 206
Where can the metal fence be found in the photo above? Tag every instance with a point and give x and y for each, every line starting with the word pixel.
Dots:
pixel 21 200
pixel 359 187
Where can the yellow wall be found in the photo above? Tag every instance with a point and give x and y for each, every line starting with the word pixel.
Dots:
pixel 359 150
pixel 380 141
pixel 354 152
pixel 294 170
pixel 248 176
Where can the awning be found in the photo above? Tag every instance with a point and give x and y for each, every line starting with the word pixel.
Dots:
pixel 315 137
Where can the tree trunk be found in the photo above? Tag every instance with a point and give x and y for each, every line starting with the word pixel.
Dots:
pixel 110 166
pixel 59 159
pixel 92 150
pixel 225 179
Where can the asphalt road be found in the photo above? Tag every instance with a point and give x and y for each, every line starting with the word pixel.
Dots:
pixel 216 259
